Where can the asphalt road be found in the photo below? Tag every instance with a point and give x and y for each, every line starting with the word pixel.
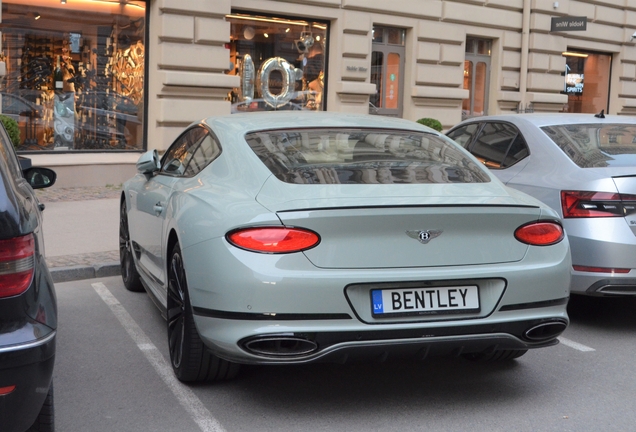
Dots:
pixel 112 374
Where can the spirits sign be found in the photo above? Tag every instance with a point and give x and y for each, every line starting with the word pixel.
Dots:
pixel 573 82
pixel 569 24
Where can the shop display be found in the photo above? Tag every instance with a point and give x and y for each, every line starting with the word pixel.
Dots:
pixel 289 75
pixel 280 61
pixel 80 85
pixel 246 91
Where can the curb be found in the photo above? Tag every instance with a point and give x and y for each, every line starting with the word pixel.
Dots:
pixel 73 273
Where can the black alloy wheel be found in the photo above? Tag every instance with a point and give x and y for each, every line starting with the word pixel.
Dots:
pixel 191 360
pixel 129 273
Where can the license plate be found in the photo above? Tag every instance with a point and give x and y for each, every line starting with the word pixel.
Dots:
pixel 421 301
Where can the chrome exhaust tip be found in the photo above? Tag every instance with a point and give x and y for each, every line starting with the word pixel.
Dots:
pixel 545 331
pixel 280 346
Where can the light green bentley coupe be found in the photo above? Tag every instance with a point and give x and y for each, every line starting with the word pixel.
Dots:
pixel 297 237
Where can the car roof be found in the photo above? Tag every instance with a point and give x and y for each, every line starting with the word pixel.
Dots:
pixel 271 120
pixel 546 119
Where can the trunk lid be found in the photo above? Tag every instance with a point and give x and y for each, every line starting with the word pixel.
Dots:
pixel 423 236
pixel 387 226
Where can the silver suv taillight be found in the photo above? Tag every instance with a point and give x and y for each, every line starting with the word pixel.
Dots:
pixel 16 265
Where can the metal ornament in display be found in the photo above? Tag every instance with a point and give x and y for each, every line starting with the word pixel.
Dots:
pixel 424 236
pixel 290 76
pixel 246 89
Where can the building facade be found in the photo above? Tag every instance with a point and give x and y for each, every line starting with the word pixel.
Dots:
pixel 142 70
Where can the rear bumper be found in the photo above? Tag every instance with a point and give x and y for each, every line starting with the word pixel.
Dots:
pixel 604 284
pixel 339 341
pixel 606 243
pixel 28 366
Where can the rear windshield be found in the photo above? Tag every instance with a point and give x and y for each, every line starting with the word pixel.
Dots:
pixel 595 145
pixel 363 156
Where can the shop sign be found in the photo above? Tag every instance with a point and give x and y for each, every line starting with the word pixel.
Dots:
pixel 357 69
pixel 569 24
pixel 573 82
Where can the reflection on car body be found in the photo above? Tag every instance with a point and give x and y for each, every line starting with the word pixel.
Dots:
pixel 584 167
pixel 296 237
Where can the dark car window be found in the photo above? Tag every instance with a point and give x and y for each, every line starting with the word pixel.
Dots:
pixel 493 143
pixel 464 135
pixel 205 153
pixel 596 145
pixel 176 159
pixel 363 156
pixel 517 151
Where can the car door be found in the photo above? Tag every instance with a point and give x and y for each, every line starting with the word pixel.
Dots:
pixel 153 202
pixel 500 146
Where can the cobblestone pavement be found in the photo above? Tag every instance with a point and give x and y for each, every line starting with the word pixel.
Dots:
pixel 80 194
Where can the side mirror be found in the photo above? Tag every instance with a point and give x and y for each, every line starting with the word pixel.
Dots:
pixel 39 177
pixel 148 162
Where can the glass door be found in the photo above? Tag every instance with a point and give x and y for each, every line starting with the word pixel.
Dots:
pixel 387 71
pixel 476 77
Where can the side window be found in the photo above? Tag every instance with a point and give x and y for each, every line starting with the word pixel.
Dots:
pixel 518 150
pixel 205 153
pixel 464 135
pixel 178 156
pixel 493 143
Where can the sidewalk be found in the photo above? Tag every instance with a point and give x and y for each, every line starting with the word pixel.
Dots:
pixel 81 231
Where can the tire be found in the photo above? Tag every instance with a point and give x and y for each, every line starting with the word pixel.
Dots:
pixel 191 360
pixel 45 421
pixel 495 356
pixel 129 273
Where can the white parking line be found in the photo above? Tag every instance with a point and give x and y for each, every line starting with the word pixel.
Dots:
pixel 575 345
pixel 186 397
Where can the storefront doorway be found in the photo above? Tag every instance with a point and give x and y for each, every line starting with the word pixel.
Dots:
pixel 587 81
pixel 387 71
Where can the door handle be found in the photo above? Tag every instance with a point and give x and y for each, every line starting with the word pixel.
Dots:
pixel 158 208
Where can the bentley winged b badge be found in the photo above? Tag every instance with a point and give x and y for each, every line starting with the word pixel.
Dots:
pixel 424 236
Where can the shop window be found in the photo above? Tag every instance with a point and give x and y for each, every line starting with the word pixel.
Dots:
pixel 281 63
pixel 476 77
pixel 75 73
pixel 587 81
pixel 387 70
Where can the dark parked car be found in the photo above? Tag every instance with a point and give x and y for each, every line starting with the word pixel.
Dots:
pixel 28 310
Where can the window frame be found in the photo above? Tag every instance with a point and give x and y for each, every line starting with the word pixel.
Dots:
pixel 482 124
pixel 195 145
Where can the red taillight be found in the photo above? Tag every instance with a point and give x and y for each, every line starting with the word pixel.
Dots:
pixel 16 265
pixel 540 233
pixel 600 269
pixel 6 390
pixel 581 204
pixel 274 239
